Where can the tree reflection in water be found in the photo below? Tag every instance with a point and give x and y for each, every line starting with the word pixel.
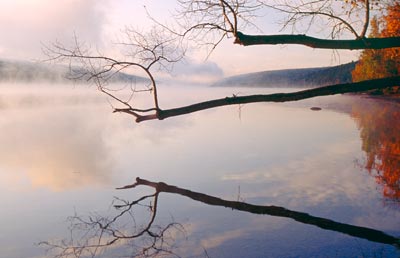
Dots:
pixel 99 235
pixel 379 124
pixel 150 240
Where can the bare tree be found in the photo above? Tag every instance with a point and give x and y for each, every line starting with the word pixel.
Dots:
pixel 100 232
pixel 143 52
pixel 228 18
pixel 105 67
pixel 212 21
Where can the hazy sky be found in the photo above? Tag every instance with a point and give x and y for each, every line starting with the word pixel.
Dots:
pixel 26 24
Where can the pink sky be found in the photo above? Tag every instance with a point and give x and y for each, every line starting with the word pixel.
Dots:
pixel 26 24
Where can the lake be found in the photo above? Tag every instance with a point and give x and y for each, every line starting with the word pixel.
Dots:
pixel 335 171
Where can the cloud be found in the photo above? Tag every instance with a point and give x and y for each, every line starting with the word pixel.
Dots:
pixel 218 239
pixel 306 177
pixel 25 24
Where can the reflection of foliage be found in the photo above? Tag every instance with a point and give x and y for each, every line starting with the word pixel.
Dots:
pixel 100 233
pixel 379 124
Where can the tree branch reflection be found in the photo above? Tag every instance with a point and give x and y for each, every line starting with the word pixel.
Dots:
pixel 355 231
pixel 150 240
pixel 102 236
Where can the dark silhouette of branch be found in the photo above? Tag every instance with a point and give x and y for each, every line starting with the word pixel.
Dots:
pixel 229 18
pixel 98 234
pixel 209 17
pixel 361 43
pixel 367 14
pixel 276 97
pixel 147 52
pixel 352 230
pixel 152 54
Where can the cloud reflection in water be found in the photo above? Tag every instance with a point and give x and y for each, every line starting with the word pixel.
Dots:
pixel 55 147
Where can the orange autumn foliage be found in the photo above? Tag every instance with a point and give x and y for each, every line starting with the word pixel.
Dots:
pixel 381 63
pixel 372 63
pixel 391 28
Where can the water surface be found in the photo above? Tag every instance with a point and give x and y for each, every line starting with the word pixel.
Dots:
pixel 63 153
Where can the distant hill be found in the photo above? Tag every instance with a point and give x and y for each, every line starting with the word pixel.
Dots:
pixel 23 71
pixel 292 78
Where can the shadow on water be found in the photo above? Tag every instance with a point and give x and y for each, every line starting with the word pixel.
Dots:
pixel 101 232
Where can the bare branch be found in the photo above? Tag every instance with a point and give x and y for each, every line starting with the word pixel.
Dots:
pixel 355 231
pixel 100 233
pixel 276 97
pixel 205 17
pixel 219 19
pixel 366 22
pixel 144 52
pixel 309 10
pixel 365 43
pixel 207 22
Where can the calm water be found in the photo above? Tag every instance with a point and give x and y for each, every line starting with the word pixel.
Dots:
pixel 63 153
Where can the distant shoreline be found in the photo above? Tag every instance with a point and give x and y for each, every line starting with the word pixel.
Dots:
pixel 291 78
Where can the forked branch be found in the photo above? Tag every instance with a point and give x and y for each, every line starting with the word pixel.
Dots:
pixel 144 53
pixel 230 18
pixel 102 236
pixel 160 48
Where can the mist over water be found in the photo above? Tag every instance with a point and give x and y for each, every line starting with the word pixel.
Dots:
pixel 63 151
